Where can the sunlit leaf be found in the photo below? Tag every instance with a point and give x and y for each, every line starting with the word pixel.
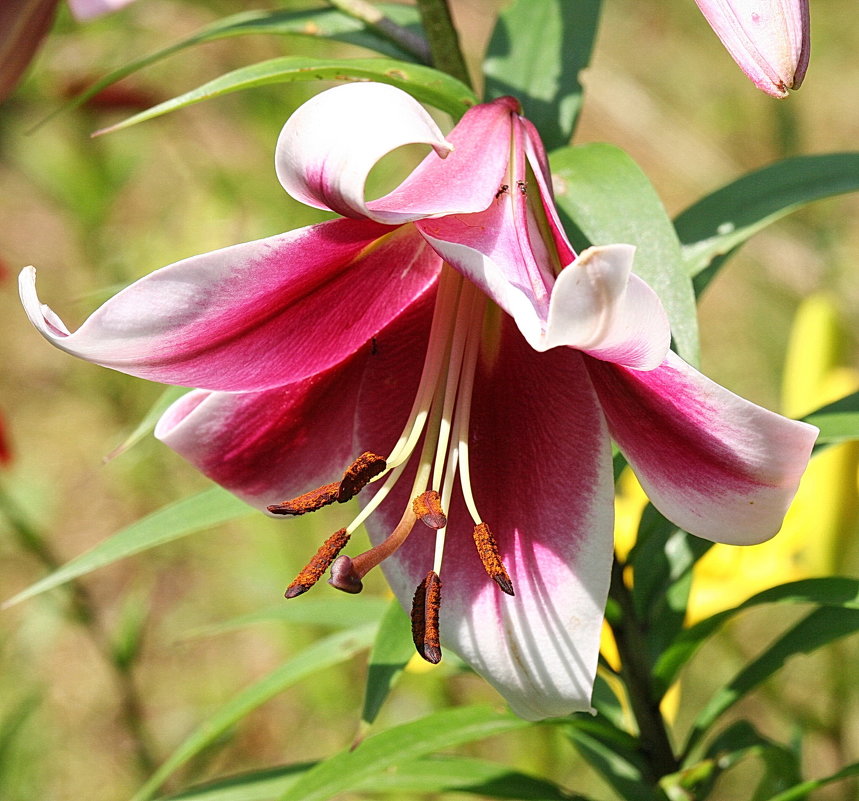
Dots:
pixel 837 421
pixel 831 591
pixel 188 516
pixel 720 222
pixel 820 627
pixel 325 653
pixel 424 83
pixel 147 425
pixel 398 745
pixel 800 791
pixel 562 32
pixel 609 199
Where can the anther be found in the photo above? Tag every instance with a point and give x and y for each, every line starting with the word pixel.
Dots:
pixel 425 607
pixel 487 550
pixel 309 502
pixel 344 576
pixel 427 509
pixel 365 468
pixel 314 569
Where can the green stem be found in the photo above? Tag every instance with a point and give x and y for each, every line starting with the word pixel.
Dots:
pixel 635 669
pixel 84 610
pixel 443 39
pixel 371 16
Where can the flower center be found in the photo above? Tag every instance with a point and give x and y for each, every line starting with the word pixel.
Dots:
pixel 440 415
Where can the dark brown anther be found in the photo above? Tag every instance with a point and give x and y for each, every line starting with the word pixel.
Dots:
pixel 344 576
pixel 427 509
pixel 425 607
pixel 314 569
pixel 366 467
pixel 309 502
pixel 487 550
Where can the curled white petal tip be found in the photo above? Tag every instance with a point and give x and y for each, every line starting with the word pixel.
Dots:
pixel 330 144
pixel 769 39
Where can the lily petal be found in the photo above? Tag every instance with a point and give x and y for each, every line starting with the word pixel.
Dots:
pixel 88 9
pixel 210 321
pixel 713 463
pixel 542 481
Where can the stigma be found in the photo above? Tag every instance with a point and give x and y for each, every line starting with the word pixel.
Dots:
pixel 435 440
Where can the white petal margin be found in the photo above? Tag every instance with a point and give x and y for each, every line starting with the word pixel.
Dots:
pixel 598 306
pixel 330 144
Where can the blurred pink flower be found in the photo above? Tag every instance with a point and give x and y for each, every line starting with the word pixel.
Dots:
pixel 769 39
pixel 449 326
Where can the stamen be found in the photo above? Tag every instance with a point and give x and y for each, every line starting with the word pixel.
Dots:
pixel 428 509
pixel 487 550
pixel 425 608
pixel 356 477
pixel 366 467
pixel 312 572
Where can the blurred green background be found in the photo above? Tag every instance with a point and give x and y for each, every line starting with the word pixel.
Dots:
pixel 94 214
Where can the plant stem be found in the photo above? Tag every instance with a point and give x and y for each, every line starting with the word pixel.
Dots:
pixel 374 18
pixel 443 39
pixel 84 610
pixel 635 669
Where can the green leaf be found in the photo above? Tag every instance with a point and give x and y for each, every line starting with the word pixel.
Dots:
pixel 817 629
pixel 147 425
pixel 197 513
pixel 444 774
pixel 325 653
pixel 536 52
pixel 837 421
pixel 615 755
pixel 831 591
pixel 391 652
pixel 720 222
pixel 609 199
pixel 424 83
pixel 800 791
pixel 326 23
pixel 400 744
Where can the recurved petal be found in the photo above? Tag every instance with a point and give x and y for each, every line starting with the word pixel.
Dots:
pixel 88 9
pixel 540 466
pixel 329 145
pixel 253 316
pixel 711 462
pixel 277 444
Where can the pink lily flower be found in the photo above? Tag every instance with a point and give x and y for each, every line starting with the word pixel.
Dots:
pixel 769 39
pixel 445 345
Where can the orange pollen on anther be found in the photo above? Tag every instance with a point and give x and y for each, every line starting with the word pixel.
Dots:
pixel 366 467
pixel 313 570
pixel 487 550
pixel 427 508
pixel 425 609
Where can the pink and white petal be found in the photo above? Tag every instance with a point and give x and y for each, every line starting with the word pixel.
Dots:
pixel 279 443
pixel 468 179
pixel 253 316
pixel 598 306
pixel 88 9
pixel 329 145
pixel 713 463
pixel 541 473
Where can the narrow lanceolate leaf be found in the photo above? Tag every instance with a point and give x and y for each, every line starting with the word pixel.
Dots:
pixel 837 421
pixel 197 513
pixel 147 425
pixel 832 591
pixel 398 745
pixel 330 651
pixel 609 199
pixel 325 23
pixel 818 628
pixel 391 652
pixel 561 34
pixel 800 791
pixel 722 221
pixel 444 774
pixel 424 83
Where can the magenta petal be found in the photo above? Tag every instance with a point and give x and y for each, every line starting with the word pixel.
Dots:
pixel 211 321
pixel 713 463
pixel 272 445
pixel 540 465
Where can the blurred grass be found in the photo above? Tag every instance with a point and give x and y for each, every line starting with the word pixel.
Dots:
pixel 94 214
